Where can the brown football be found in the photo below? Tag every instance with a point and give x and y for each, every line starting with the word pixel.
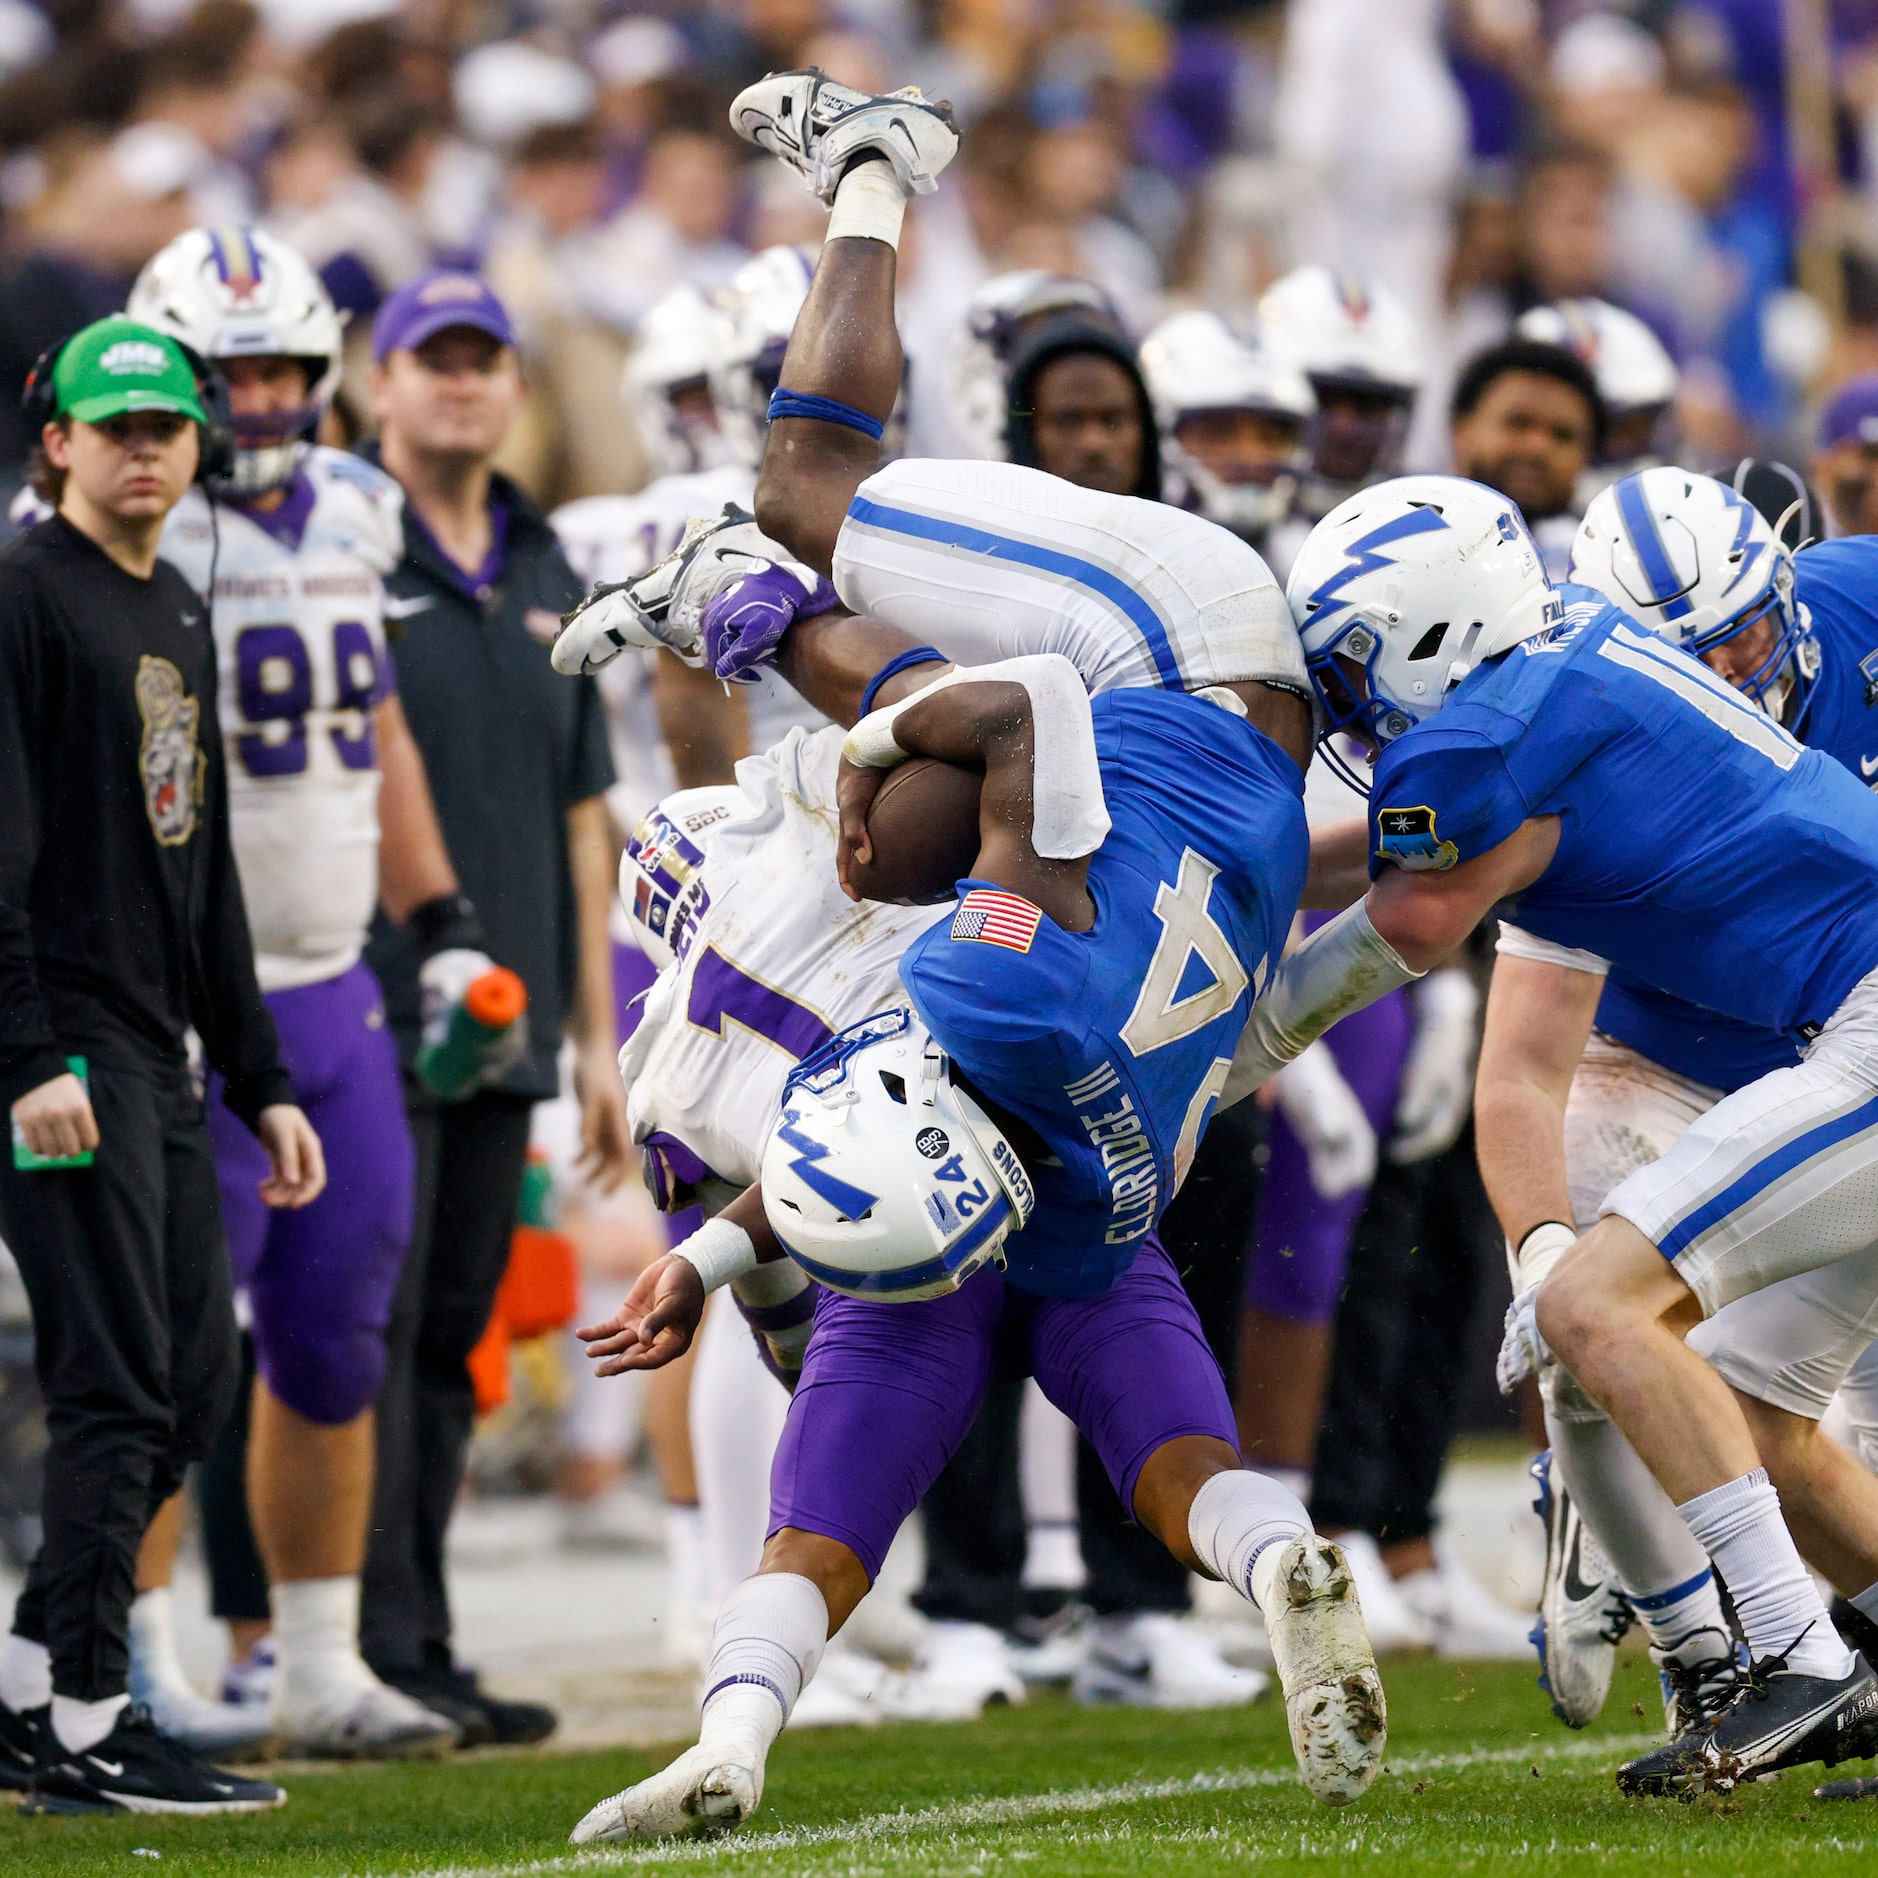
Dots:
pixel 924 827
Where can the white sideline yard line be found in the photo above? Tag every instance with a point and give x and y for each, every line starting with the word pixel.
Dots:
pixel 1012 1810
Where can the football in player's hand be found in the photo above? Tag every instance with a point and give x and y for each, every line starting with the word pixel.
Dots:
pixel 924 829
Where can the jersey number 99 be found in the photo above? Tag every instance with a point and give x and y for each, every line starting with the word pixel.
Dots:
pixel 274 686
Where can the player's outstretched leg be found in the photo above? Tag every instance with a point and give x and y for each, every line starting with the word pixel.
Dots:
pixel 770 1636
pixel 1255 1534
pixel 863 155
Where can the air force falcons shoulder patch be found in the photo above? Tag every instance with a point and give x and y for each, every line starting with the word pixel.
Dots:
pixel 1407 837
pixel 995 918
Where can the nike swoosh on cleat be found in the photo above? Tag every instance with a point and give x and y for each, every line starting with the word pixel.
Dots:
pixel 1575 1587
pixel 113 1768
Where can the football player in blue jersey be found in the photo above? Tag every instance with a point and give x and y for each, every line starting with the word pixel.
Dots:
pixel 1642 810
pixel 1587 1075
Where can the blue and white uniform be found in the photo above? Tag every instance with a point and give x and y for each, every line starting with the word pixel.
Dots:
pixel 1113 1045
pixel 991 560
pixel 1656 1063
pixel 1712 856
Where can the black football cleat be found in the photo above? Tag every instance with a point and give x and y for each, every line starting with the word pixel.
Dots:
pixel 137 1768
pixel 1776 1719
pixel 19 1746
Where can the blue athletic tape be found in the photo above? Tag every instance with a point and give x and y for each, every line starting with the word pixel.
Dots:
pixel 826 410
pixel 1662 1600
pixel 900 662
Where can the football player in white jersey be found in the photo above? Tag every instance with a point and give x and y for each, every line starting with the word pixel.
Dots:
pixel 332 817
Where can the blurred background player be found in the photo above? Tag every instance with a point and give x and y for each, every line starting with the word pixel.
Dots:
pixel 518 767
pixel 331 816
pixel 1233 418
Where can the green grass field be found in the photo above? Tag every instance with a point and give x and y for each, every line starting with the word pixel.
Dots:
pixel 1480 1779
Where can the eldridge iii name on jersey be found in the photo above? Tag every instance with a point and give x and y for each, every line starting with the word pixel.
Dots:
pixel 299 625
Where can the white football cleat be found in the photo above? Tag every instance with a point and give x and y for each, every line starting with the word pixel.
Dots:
pixel 818 127
pixel 1155 1660
pixel 701 1794
pixel 1391 1622
pixel 217 1731
pixel 962 1669
pixel 1469 1622
pixel 373 1722
pixel 1582 1614
pixel 1333 1695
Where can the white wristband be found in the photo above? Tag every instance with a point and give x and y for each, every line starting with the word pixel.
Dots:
pixel 1537 1253
pixel 720 1250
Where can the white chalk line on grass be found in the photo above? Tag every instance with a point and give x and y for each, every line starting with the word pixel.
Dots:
pixel 1016 1809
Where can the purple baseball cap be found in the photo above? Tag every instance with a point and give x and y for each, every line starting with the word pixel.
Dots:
pixel 432 304
pixel 1852 411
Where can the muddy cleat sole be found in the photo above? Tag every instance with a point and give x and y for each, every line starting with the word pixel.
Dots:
pixel 1583 1616
pixel 1777 1719
pixel 819 128
pixel 701 1795
pixel 1333 1695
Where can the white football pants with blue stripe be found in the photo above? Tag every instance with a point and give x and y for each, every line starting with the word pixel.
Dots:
pixel 1792 1344
pixel 989 561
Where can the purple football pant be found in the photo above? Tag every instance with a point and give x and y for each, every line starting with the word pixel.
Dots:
pixel 889 1390
pixel 1300 1240
pixel 320 1278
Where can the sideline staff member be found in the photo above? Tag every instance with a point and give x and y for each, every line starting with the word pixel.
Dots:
pixel 121 925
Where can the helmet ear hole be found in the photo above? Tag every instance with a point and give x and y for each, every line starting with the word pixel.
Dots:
pixel 1430 642
pixel 894 1085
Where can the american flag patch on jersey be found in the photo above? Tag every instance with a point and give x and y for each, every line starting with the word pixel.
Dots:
pixel 996 919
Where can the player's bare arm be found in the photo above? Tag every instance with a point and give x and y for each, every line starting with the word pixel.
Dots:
pixel 1339 870
pixel 1425 915
pixel 1538 1018
pixel 986 727
pixel 832 659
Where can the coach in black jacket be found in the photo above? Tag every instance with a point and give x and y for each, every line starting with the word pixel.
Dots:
pixel 121 926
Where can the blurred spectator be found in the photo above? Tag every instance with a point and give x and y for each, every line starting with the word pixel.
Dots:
pixel 1527 420
pixel 1845 465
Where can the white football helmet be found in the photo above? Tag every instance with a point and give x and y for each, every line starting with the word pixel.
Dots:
pixel 661 871
pixel 1347 333
pixel 1195 362
pixel 760 307
pixel 681 342
pixel 242 293
pixel 1634 371
pixel 1698 564
pixel 979 353
pixel 882 1178
pixel 1414 581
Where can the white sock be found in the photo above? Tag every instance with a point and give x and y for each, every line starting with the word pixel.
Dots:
pixel 869 203
pixel 1634 1521
pixel 1866 1601
pixel 81 1725
pixel 25 1674
pixel 1237 1517
pixel 1738 1525
pixel 1678 1611
pixel 1053 1556
pixel 316 1634
pixel 153 1641
pixel 770 1636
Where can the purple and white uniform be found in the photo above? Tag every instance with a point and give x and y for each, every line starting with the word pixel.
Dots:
pixel 777 961
pixel 298 615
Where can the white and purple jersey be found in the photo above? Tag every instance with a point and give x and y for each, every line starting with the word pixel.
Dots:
pixel 776 962
pixel 299 621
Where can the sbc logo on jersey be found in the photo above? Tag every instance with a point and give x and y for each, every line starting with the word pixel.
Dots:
pixel 1407 837
pixel 169 758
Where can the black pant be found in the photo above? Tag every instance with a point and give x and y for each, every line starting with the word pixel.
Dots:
pixel 1398 1371
pixel 470 1157
pixel 973 1514
pixel 134 1346
pixel 237 1576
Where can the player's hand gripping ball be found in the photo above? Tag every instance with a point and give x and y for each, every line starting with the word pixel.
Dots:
pixel 907 834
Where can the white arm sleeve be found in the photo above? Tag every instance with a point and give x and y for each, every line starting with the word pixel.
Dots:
pixel 1070 818
pixel 1517 943
pixel 1341 968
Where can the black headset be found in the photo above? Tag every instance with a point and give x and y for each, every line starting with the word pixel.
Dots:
pixel 40 403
